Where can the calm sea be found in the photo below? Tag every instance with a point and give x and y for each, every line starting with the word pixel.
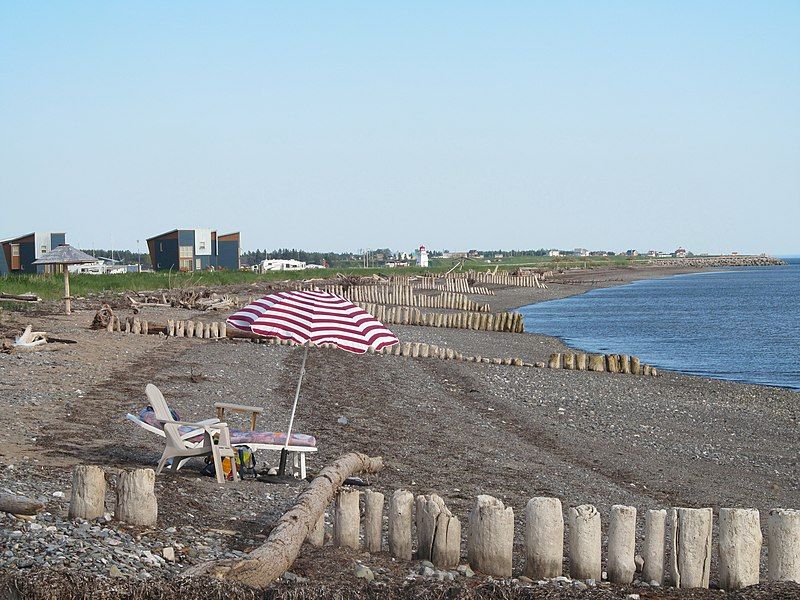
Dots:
pixel 741 324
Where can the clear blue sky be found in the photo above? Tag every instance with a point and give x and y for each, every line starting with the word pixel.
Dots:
pixel 338 126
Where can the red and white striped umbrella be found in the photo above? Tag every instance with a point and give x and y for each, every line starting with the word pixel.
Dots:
pixel 314 317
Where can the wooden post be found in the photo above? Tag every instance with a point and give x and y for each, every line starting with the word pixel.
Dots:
pixel 584 542
pixel 438 532
pixel 653 547
pixel 400 509
pixel 490 538
pixel 691 547
pixel 739 547
pixel 544 538
pixel 88 499
pixel 347 519
pixel 136 500
pixel 67 299
pixel 783 539
pixel 373 521
pixel 622 544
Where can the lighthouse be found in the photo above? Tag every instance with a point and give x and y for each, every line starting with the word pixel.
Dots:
pixel 422 257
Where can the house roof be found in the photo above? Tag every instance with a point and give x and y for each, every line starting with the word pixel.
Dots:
pixel 64 255
pixel 27 235
pixel 162 234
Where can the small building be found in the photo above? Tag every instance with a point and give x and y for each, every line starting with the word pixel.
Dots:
pixel 194 250
pixel 632 253
pixel 19 253
pixel 553 253
pixel 581 252
pixel 283 264
pixel 680 253
pixel 422 257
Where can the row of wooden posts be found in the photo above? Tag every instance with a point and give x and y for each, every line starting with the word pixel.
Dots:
pixel 136 502
pixel 405 315
pixel 490 539
pixel 405 295
pixel 505 278
pixel 174 328
pixel 611 363
pixel 449 284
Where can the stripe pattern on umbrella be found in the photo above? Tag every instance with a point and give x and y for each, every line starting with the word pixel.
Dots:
pixel 316 317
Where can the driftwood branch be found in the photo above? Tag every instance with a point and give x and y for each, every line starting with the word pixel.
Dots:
pixel 30 338
pixel 269 561
pixel 19 505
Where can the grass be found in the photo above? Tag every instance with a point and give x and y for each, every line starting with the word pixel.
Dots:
pixel 51 287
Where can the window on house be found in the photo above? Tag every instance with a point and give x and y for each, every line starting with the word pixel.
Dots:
pixel 14 249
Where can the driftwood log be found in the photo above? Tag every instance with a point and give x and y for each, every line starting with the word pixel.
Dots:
pixel 20 297
pixel 19 505
pixel 269 561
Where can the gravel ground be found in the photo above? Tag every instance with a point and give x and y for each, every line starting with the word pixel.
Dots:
pixel 459 429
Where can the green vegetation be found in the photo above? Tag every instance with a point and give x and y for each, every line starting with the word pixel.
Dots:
pixel 51 287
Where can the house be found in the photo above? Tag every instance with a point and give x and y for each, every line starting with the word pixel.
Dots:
pixel 194 250
pixel 281 264
pixel 19 253
pixel 632 253
pixel 553 253
pixel 422 257
pixel 581 252
pixel 680 253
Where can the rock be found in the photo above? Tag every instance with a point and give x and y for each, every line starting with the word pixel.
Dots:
pixel 115 572
pixel 169 553
pixel 289 576
pixel 364 572
pixel 639 562
pixel 465 570
pixel 579 585
pixel 342 420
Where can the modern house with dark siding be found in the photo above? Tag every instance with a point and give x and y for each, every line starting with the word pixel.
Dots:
pixel 19 253
pixel 194 250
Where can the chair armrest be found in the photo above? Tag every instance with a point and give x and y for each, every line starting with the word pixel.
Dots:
pixel 239 407
pixel 197 425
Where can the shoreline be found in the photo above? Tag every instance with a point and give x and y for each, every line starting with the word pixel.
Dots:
pixel 647 274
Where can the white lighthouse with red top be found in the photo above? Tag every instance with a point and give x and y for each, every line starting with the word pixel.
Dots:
pixel 422 257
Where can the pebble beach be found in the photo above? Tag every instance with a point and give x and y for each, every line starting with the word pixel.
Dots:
pixel 459 429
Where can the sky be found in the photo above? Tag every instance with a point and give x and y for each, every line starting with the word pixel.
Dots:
pixel 458 125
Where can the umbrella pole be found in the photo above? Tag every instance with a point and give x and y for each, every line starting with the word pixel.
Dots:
pixel 284 451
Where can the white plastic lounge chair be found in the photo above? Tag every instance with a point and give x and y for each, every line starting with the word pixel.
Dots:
pixel 190 438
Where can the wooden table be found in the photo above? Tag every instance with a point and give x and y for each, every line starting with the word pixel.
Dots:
pixel 253 410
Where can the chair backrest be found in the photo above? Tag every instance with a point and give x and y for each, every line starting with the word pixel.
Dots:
pixel 158 402
pixel 163 413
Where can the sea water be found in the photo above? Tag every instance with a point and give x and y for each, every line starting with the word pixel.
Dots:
pixel 741 324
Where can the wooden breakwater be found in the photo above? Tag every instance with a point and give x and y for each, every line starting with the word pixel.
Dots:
pixel 490 531
pixel 407 295
pixel 404 315
pixel 608 363
pixel 599 363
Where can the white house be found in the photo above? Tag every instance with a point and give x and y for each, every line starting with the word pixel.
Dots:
pixel 422 257
pixel 554 253
pixel 680 253
pixel 280 264
pixel 581 252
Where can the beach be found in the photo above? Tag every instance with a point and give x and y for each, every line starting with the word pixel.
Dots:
pixel 459 429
